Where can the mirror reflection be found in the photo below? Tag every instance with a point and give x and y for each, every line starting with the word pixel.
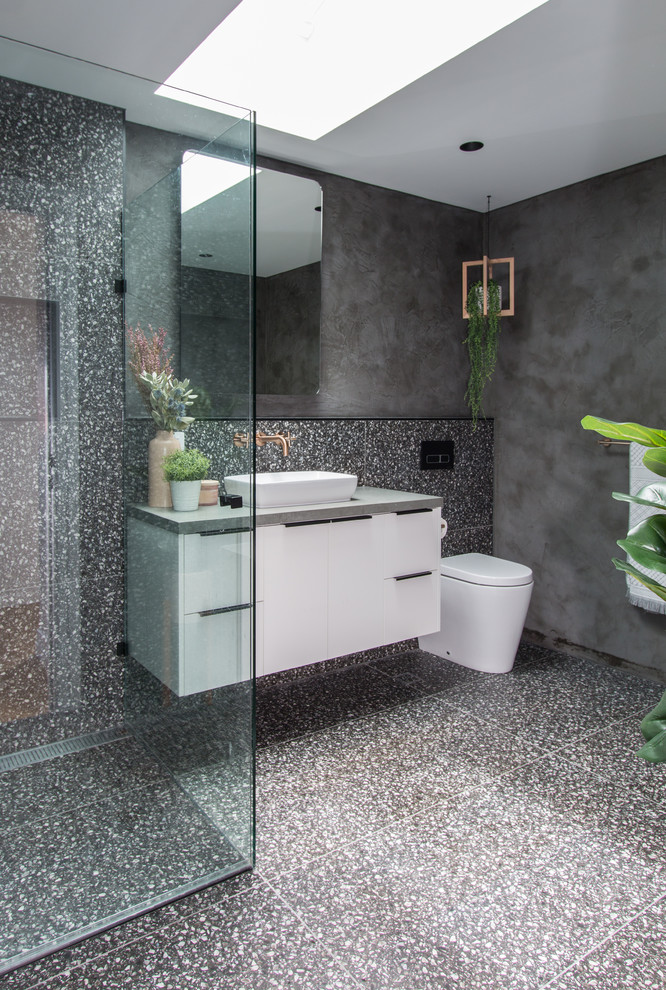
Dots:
pixel 214 271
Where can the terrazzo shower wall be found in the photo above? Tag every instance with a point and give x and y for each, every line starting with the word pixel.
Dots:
pixel 60 517
pixel 588 337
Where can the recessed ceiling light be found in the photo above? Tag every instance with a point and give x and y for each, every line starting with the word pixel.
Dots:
pixel 308 66
pixel 471 146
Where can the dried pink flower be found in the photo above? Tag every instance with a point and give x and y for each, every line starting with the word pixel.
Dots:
pixel 147 354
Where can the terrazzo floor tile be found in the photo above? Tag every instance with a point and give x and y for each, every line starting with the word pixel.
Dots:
pixel 613 754
pixel 285 711
pixel 117 938
pixel 69 781
pixel 201 734
pixel 509 882
pixel 224 793
pixel 631 959
pixel 598 811
pixel 552 703
pixel 331 787
pixel 424 672
pixel 255 943
pixel 103 859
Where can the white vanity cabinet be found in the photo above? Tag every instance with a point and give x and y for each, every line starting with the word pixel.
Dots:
pixel 189 610
pixel 330 587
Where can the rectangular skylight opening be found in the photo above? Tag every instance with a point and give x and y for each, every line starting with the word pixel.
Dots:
pixel 203 177
pixel 308 66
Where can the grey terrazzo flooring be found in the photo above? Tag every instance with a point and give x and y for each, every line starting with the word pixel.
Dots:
pixel 425 827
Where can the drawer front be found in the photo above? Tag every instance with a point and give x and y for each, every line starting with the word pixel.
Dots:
pixel 412 542
pixel 216 650
pixel 411 606
pixel 216 571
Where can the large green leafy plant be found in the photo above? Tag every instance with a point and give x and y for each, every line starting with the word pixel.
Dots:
pixel 482 340
pixel 645 544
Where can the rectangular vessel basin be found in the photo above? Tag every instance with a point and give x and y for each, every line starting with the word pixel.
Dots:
pixel 275 488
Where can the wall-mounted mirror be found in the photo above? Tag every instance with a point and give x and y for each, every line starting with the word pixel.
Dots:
pixel 214 271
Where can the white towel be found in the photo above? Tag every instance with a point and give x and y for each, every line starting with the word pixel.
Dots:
pixel 639 477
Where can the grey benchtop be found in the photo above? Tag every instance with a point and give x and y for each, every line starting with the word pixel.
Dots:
pixel 365 501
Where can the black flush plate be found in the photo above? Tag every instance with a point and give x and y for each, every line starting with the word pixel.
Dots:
pixel 437 455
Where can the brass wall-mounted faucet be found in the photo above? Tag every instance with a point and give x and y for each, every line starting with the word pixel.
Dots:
pixel 261 439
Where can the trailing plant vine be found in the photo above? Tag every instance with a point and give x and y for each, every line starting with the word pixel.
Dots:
pixel 482 341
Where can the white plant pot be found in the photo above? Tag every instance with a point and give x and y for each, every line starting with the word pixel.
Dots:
pixel 185 495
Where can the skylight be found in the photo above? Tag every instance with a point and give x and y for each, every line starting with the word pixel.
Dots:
pixel 204 176
pixel 308 66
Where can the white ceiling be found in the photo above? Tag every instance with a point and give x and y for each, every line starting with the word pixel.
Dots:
pixel 572 90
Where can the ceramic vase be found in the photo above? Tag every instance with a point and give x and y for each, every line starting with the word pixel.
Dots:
pixel 159 493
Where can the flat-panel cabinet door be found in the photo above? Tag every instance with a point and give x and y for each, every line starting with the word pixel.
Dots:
pixel 356 593
pixel 295 594
pixel 412 542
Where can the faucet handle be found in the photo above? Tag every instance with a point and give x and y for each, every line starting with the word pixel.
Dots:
pixel 241 440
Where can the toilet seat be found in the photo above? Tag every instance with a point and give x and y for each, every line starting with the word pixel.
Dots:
pixel 479 568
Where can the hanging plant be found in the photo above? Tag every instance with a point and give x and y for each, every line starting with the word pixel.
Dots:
pixel 482 340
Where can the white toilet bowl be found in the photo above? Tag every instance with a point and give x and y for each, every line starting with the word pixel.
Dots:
pixel 484 606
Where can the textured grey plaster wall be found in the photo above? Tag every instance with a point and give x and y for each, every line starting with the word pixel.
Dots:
pixel 588 337
pixel 288 321
pixel 391 329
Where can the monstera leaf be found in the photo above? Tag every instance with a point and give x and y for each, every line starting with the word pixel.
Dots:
pixel 655 460
pixel 653 496
pixel 651 583
pixel 625 431
pixel 653 728
pixel 646 543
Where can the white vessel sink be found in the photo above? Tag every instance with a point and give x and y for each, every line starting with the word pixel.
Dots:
pixel 274 488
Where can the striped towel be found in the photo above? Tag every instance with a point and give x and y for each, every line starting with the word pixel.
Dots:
pixel 639 477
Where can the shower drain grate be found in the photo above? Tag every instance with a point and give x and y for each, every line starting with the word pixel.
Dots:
pixel 39 754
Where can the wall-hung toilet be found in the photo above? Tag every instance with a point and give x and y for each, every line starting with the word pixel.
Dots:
pixel 484 606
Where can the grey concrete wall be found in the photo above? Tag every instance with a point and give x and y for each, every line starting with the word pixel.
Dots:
pixel 588 337
pixel 288 325
pixel 392 329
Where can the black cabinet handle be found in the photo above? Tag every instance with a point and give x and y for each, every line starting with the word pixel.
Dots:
pixel 309 522
pixel 411 512
pixel 340 519
pixel 225 532
pixel 227 608
pixel 408 577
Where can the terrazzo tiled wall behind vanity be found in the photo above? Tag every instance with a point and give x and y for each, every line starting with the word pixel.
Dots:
pixel 61 187
pixel 384 453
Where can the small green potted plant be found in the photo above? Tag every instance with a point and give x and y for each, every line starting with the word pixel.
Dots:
pixel 184 470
